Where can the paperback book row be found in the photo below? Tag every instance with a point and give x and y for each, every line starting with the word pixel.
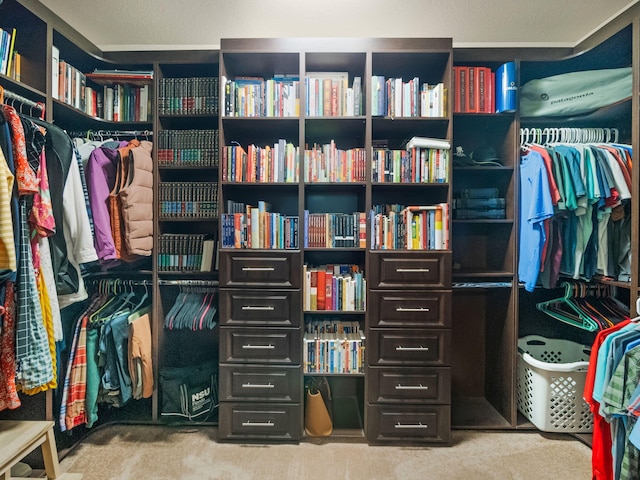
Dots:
pixel 187 148
pixel 10 59
pixel 334 230
pixel 393 97
pixel 414 165
pixel 247 226
pixel 477 89
pixel 187 253
pixel 334 287
pixel 333 346
pixel 180 200
pixel 188 96
pixel 269 164
pixel 397 227
pixel 247 96
pixel 328 94
pixel 328 163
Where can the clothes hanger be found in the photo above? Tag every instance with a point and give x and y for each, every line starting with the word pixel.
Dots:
pixel 567 311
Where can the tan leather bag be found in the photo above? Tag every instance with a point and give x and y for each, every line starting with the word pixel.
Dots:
pixel 317 419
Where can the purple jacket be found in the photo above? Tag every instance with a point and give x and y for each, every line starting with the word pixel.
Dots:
pixel 101 174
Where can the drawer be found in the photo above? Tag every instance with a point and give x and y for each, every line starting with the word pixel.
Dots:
pixel 412 348
pixel 260 307
pixel 409 385
pixel 427 308
pixel 410 270
pixel 260 269
pixel 260 383
pixel 243 421
pixel 408 423
pixel 273 345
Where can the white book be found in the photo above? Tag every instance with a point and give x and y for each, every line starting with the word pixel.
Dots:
pixel 425 142
pixel 55 72
pixel 144 103
pixel 108 103
pixel 207 256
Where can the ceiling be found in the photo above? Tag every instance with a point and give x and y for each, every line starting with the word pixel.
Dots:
pixel 200 24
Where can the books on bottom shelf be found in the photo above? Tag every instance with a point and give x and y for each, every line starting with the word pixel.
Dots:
pixel 187 253
pixel 333 346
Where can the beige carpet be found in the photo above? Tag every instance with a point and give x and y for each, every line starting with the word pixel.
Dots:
pixel 155 452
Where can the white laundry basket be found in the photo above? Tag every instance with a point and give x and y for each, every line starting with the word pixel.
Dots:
pixel 551 378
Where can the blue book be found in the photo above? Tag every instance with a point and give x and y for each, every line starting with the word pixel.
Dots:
pixel 506 88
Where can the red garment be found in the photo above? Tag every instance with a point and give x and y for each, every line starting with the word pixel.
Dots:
pixel 8 392
pixel 76 413
pixel 601 456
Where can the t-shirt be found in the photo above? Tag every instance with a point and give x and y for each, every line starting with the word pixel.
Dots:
pixel 535 206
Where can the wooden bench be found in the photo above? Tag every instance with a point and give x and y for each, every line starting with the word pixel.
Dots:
pixel 19 438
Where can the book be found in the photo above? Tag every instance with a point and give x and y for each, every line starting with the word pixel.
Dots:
pixel 425 142
pixel 9 54
pixel 55 70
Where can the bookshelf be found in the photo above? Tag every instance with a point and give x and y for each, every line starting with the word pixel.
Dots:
pixel 320 287
pixel 187 206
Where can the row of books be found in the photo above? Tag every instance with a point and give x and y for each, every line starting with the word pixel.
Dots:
pixel 316 325
pixel 412 227
pixel 474 89
pixel 327 163
pixel 328 94
pixel 187 148
pixel 256 97
pixel 333 352
pixel 414 165
pixel 393 97
pixel 8 64
pixel 331 230
pixel 277 163
pixel 334 287
pixel 188 199
pixel 259 230
pixel 188 96
pixel 186 253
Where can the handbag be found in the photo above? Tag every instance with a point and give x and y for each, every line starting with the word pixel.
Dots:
pixel 318 415
pixel 189 393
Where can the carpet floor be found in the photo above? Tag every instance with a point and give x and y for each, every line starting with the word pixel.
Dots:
pixel 119 452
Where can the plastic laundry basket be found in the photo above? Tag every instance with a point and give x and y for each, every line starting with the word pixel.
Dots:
pixel 551 378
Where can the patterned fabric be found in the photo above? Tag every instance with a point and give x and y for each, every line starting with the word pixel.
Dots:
pixel 75 413
pixel 34 366
pixel 25 176
pixel 615 399
pixel 84 186
pixel 8 392
pixel 7 241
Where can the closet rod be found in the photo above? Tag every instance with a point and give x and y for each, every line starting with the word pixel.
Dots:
pixel 569 135
pixel 101 134
pixel 195 283
pixel 23 101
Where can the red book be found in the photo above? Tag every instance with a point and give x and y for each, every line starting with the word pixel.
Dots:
pixel 462 86
pixel 472 94
pixel 322 290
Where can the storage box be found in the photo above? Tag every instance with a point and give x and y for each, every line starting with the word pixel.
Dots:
pixel 551 378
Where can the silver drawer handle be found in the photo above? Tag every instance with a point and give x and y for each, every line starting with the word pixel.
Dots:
pixel 258 347
pixel 411 387
pixel 419 425
pixel 257 385
pixel 400 348
pixel 258 269
pixel 403 270
pixel 258 424
pixel 258 307
pixel 418 309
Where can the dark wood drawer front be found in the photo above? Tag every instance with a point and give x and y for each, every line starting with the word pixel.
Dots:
pixel 260 422
pixel 255 270
pixel 423 270
pixel 401 347
pixel 409 385
pixel 275 345
pixel 272 308
pixel 410 309
pixel 256 383
pixel 409 423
